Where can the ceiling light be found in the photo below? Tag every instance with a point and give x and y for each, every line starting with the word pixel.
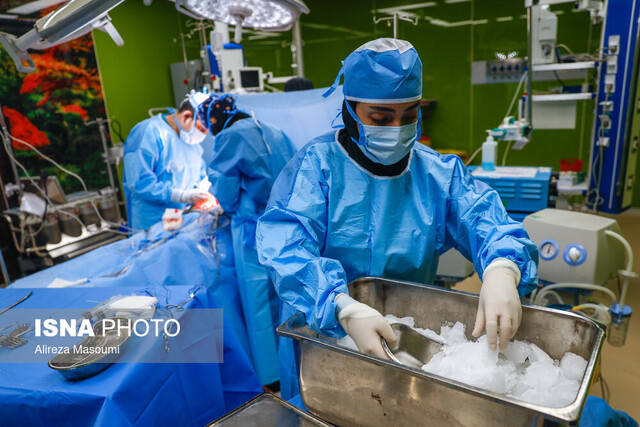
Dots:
pixel 265 15
pixel 70 21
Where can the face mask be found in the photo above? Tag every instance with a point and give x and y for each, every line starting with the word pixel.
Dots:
pixel 386 144
pixel 192 137
pixel 389 144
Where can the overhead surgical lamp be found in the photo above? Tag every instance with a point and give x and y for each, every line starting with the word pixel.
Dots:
pixel 265 15
pixel 72 20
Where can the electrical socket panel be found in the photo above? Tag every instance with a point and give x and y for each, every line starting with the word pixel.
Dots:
pixel 612 64
pixel 614 44
pixel 607 106
pixel 506 70
pixel 610 83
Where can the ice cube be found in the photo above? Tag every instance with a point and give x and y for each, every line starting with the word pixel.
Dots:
pixel 573 366
pixel 454 334
pixel 517 351
pixel 403 320
pixel 536 354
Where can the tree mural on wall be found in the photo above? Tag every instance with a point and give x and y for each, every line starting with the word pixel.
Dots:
pixel 49 108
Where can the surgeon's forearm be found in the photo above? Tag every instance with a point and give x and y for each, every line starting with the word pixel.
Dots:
pixel 504 263
pixel 309 286
pixel 156 192
pixel 342 301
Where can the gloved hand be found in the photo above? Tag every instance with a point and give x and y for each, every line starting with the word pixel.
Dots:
pixel 190 196
pixel 499 309
pixel 366 325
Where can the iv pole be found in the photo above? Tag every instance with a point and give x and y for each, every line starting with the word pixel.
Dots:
pixel 395 16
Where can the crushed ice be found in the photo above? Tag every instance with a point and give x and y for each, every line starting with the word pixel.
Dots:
pixel 523 371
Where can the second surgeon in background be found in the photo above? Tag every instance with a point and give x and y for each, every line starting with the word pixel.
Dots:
pixel 247 157
pixel 163 163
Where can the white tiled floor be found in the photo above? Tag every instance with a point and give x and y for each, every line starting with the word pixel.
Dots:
pixel 620 365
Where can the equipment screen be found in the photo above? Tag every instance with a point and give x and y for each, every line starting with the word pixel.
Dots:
pixel 250 79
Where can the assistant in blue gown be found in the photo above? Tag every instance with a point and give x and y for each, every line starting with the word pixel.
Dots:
pixel 336 214
pixel 247 157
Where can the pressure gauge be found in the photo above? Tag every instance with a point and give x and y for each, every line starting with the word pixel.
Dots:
pixel 548 250
pixel 575 254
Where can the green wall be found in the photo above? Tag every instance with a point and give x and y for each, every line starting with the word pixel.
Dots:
pixel 136 77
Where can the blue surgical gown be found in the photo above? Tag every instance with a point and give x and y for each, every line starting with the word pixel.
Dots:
pixel 247 158
pixel 329 222
pixel 156 161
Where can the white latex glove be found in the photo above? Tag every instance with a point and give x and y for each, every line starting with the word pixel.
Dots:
pixel 189 196
pixel 499 309
pixel 366 325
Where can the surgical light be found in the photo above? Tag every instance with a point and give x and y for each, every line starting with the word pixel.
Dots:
pixel 72 20
pixel 265 15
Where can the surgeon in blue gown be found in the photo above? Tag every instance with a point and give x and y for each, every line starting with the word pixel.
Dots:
pixel 367 201
pixel 163 163
pixel 247 157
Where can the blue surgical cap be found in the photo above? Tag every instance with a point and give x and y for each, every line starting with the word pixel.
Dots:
pixel 382 71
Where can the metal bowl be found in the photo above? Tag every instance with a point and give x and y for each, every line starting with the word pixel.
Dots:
pixel 88 213
pixel 412 348
pixel 52 229
pixel 70 225
pixel 94 353
pixel 108 205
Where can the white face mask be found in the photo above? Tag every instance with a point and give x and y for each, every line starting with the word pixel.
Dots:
pixel 389 144
pixel 192 137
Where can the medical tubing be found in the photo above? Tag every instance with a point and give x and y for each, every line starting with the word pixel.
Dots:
pixel 506 151
pixel 556 296
pixel 537 296
pixel 599 159
pixel 515 95
pixel 84 186
pixel 604 311
pixel 475 153
pixel 70 173
pixel 628 272
pixel 210 237
pixel 21 230
pixel 42 193
pixel 148 245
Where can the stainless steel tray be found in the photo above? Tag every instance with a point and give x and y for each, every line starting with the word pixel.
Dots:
pixel 79 365
pixel 268 410
pixel 349 388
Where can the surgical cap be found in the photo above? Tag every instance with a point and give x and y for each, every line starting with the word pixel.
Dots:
pixel 197 98
pixel 382 71
pixel 218 112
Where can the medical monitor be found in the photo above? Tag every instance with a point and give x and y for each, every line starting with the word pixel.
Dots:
pixel 251 79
